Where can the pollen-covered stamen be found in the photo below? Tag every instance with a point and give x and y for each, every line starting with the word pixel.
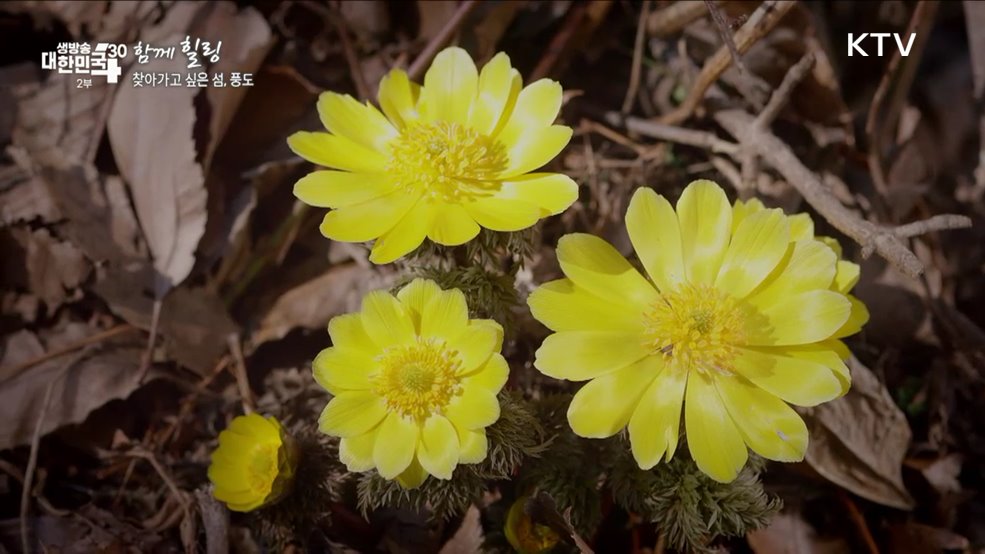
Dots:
pixel 419 380
pixel 695 327
pixel 447 161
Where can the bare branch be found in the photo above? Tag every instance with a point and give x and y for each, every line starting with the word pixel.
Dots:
pixel 782 93
pixel 431 50
pixel 723 31
pixel 680 135
pixel 762 21
pixel 942 222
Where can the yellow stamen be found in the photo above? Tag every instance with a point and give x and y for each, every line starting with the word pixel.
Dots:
pixel 695 327
pixel 447 161
pixel 419 380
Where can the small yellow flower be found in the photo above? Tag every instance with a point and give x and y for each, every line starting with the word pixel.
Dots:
pixel 414 382
pixel 441 160
pixel 742 314
pixel 526 536
pixel 254 464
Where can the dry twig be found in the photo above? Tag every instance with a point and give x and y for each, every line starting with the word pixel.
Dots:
pixel 754 134
pixel 98 337
pixel 723 31
pixel 675 17
pixel 680 135
pixel 762 21
pixel 32 460
pixel 636 69
pixel 438 41
pixel 239 370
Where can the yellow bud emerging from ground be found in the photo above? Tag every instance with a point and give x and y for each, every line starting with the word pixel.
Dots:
pixel 526 536
pixel 414 382
pixel 441 161
pixel 255 463
pixel 740 314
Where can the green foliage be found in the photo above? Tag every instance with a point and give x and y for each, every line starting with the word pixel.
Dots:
pixel 689 507
pixel 489 294
pixel 317 483
pixel 516 436
pixel 570 470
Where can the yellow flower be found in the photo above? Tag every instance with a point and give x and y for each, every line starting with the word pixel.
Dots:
pixel 414 382
pixel 526 536
pixel 740 316
pixel 254 464
pixel 441 160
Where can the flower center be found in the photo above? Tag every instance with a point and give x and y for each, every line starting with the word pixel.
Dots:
pixel 447 161
pixel 418 380
pixel 695 327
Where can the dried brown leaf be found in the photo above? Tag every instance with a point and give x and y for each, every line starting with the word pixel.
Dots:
pixel 468 538
pixel 790 534
pixel 53 266
pixel 151 131
pixel 859 441
pixel 313 303
pixel 105 374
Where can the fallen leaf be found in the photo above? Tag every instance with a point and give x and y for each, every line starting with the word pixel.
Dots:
pixel 105 374
pixel 468 538
pixel 53 266
pixel 194 322
pixel 151 131
pixel 311 304
pixel 917 538
pixel 858 442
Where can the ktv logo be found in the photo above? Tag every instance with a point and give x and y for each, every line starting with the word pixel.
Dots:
pixel 855 46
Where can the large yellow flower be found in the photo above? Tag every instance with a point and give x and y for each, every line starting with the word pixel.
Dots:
pixel 740 316
pixel 441 160
pixel 414 383
pixel 254 464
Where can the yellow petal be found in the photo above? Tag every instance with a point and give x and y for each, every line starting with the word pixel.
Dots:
pixel 714 441
pixel 396 442
pixel 405 236
pixel 582 355
pixel 536 107
pixel 255 427
pixel 604 405
pixel 475 408
pixel 357 452
pixel 770 427
pixel 500 214
pixel 594 265
pixel 413 476
pixel 656 237
pixel 336 152
pixel 563 306
pixel 231 481
pixel 344 116
pixel 415 296
pixel 756 248
pixel 476 343
pixel 368 220
pixel 337 189
pixel 473 446
pixel 445 315
pixel 655 426
pixel 846 276
pixel 450 86
pixel 386 320
pixel 499 86
pixel 347 331
pixel 742 209
pixel 438 450
pixel 552 192
pixel 705 217
pixel 343 369
pixel 534 149
pixel 801 227
pixel 491 376
pixel 398 97
pixel 809 265
pixel 452 225
pixel 351 413
pixel 796 374
pixel 799 319
pixel 858 317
